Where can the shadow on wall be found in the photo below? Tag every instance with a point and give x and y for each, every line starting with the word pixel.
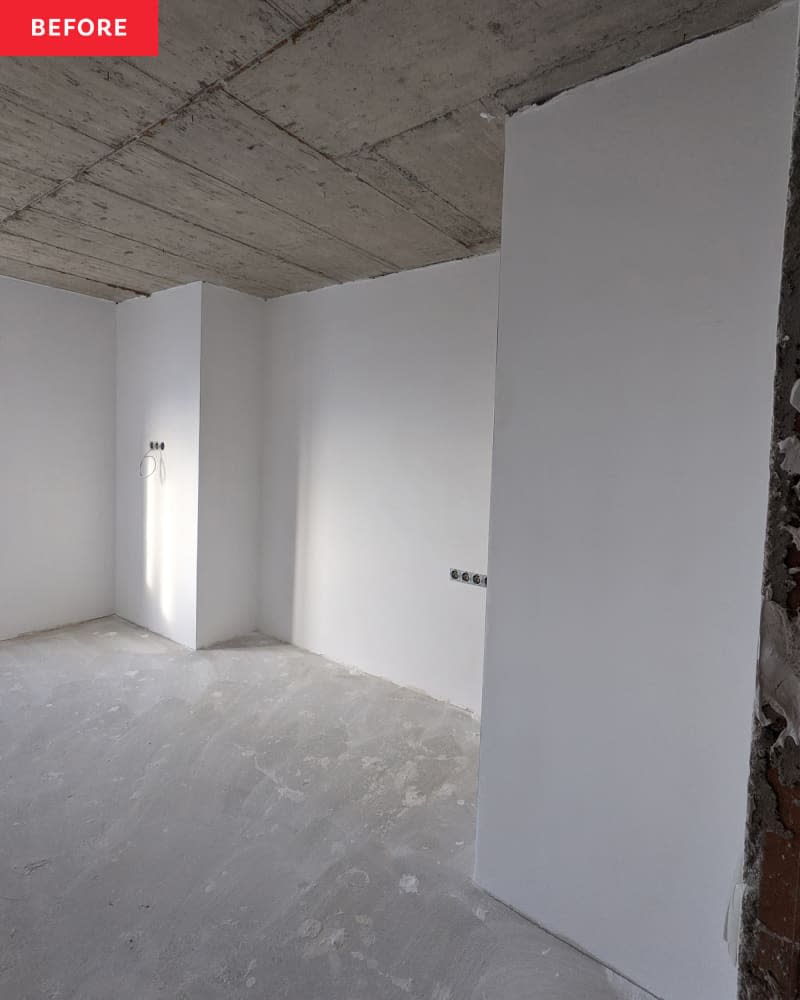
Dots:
pixel 286 482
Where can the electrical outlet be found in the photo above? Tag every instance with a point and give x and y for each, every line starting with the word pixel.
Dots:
pixel 466 576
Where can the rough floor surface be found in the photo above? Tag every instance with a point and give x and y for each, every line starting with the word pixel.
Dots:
pixel 246 822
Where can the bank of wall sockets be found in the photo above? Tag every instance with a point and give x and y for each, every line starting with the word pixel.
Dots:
pixel 464 576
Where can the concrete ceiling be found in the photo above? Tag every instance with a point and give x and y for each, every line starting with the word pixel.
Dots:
pixel 282 145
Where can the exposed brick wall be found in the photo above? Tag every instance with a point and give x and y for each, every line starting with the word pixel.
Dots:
pixel 774 967
pixel 770 956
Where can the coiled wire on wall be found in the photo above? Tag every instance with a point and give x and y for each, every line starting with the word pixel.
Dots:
pixel 154 454
pixel 148 456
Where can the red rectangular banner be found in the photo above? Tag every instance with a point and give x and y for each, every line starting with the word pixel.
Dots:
pixel 78 27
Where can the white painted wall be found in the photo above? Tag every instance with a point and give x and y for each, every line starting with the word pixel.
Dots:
pixel 231 433
pixel 158 396
pixel 378 422
pixel 642 232
pixel 57 443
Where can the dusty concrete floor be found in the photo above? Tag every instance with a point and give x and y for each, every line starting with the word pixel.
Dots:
pixel 247 822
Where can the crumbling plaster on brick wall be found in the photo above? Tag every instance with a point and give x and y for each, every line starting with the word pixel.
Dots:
pixel 779 671
pixel 770 945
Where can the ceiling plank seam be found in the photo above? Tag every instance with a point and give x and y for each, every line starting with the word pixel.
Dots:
pixel 341 166
pixel 310 25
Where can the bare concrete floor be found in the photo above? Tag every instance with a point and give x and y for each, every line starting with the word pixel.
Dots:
pixel 247 822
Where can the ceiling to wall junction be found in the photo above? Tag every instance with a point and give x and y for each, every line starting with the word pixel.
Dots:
pixel 282 145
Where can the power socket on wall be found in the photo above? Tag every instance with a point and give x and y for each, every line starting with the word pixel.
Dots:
pixel 464 576
pixel 156 446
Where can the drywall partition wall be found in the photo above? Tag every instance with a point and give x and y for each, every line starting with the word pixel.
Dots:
pixel 190 374
pixel 158 397
pixel 57 442
pixel 378 419
pixel 231 432
pixel 642 231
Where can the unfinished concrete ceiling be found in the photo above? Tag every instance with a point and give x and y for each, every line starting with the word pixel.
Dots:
pixel 282 145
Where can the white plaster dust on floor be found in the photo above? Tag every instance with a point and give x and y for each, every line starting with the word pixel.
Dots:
pixel 251 821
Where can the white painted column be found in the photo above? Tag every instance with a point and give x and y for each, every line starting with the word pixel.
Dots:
pixel 642 233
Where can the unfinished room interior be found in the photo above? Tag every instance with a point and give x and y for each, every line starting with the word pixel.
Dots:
pixel 400 553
